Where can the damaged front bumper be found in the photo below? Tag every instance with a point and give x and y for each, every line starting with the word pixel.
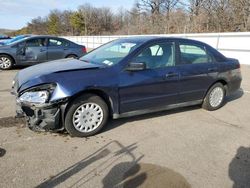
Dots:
pixel 43 118
pixel 47 115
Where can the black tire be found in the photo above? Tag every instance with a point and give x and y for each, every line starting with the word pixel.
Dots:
pixel 87 98
pixel 207 104
pixel 6 66
pixel 72 56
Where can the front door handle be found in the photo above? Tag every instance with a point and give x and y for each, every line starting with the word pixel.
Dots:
pixel 42 50
pixel 172 74
pixel 212 69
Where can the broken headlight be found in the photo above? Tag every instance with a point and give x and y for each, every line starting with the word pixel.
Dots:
pixel 37 95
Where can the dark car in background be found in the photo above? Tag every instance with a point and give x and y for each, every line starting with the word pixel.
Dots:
pixel 4 37
pixel 123 78
pixel 38 49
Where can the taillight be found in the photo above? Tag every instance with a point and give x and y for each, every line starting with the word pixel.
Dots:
pixel 84 50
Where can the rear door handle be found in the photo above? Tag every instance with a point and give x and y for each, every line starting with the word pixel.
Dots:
pixel 172 74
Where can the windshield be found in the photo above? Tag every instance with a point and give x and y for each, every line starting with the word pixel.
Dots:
pixel 110 53
pixel 17 38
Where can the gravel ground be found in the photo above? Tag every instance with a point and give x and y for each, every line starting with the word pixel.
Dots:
pixel 188 147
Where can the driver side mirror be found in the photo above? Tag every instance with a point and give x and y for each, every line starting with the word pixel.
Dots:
pixel 136 66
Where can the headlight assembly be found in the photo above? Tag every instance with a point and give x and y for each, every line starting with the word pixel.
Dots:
pixel 37 97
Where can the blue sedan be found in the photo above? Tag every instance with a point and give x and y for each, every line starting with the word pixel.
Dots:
pixel 27 50
pixel 125 77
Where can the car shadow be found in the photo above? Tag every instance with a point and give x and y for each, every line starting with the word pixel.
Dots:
pixel 72 170
pixel 102 158
pixel 19 67
pixel 119 167
pixel 239 168
pixel 114 123
pixel 236 95
pixel 2 152
pixel 127 175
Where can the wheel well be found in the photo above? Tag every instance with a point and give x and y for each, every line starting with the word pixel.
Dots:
pixel 99 93
pixel 223 82
pixel 71 55
pixel 14 62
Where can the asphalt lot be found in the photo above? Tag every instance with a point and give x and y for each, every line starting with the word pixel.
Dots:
pixel 188 147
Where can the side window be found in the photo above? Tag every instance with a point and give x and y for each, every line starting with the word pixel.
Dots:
pixel 157 55
pixel 156 50
pixel 35 42
pixel 56 42
pixel 193 54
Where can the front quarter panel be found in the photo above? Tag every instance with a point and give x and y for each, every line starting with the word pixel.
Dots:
pixel 9 50
pixel 72 83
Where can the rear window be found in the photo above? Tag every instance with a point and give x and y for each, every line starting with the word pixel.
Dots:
pixel 58 42
pixel 194 54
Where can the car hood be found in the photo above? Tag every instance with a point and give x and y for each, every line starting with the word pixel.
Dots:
pixel 43 69
pixel 3 46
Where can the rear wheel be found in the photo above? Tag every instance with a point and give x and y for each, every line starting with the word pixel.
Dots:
pixel 6 62
pixel 215 97
pixel 72 56
pixel 86 116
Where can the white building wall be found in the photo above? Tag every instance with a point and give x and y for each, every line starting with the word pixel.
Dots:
pixel 234 45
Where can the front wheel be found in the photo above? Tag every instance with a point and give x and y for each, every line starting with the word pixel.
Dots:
pixel 6 62
pixel 86 116
pixel 215 97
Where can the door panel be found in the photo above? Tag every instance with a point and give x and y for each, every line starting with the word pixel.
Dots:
pixel 156 86
pixel 148 89
pixel 36 54
pixel 197 72
pixel 33 51
pixel 57 49
pixel 195 80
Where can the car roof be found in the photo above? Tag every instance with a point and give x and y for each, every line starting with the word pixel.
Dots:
pixel 140 39
pixel 48 36
pixel 44 36
pixel 144 39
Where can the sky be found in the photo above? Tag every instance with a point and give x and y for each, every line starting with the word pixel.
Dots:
pixel 15 14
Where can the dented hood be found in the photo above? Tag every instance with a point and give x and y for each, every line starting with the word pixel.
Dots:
pixel 44 69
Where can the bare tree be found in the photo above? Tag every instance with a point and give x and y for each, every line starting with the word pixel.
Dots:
pixel 241 13
pixel 154 6
pixel 146 17
pixel 168 6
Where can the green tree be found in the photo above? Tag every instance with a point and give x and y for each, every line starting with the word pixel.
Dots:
pixel 54 23
pixel 77 22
